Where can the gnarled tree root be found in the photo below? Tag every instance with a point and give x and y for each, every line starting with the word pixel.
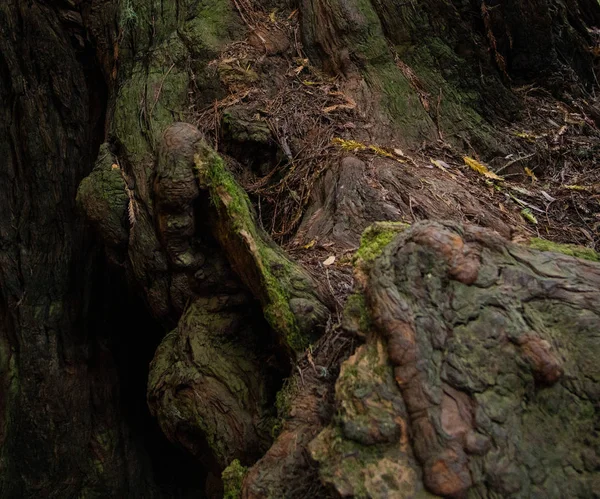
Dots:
pixel 193 247
pixel 492 347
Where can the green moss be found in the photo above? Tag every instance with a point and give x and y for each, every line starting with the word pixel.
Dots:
pixel 376 237
pixel 356 314
pixel 278 312
pixel 233 478
pixel 283 404
pixel 399 101
pixel 213 25
pixel 438 67
pixel 212 170
pixel 276 272
pixel 210 343
pixel 127 125
pixel 180 38
pixel 565 249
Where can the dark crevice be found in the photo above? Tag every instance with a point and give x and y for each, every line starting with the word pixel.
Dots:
pixel 132 335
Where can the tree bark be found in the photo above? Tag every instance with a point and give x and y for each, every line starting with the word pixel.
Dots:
pixel 63 431
pixel 110 206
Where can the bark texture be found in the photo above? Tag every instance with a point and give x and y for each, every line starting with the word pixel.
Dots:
pixel 477 375
pixel 194 246
pixel 62 431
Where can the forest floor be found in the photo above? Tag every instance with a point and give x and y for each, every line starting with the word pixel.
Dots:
pixel 547 187
pixel 291 124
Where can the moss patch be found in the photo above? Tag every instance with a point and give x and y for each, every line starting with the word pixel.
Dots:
pixel 233 478
pixel 283 404
pixel 285 291
pixel 565 249
pixel 362 454
pixel 376 237
pixel 356 317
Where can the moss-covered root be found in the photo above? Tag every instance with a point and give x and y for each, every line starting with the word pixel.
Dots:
pixel 233 477
pixel 565 249
pixel 366 452
pixel 291 301
pixel 104 198
pixel 372 243
pixel 207 385
pixel 494 349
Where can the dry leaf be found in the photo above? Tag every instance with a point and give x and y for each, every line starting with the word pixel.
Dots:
pixel 329 261
pixel 442 165
pixel 530 174
pixel 548 197
pixel 480 168
pixel 350 105
pixel 522 190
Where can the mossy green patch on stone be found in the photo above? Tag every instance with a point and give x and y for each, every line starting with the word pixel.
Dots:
pixel 240 127
pixel 566 249
pixel 213 24
pixel 233 478
pixel 362 454
pixel 376 237
pixel 211 167
pixel 399 101
pixel 103 197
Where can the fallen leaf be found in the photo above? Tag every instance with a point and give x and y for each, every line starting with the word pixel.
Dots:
pixel 310 245
pixel 548 197
pixel 530 174
pixel 329 261
pixel 523 191
pixel 527 215
pixel 527 136
pixel 442 165
pixel 480 168
pixel 349 105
